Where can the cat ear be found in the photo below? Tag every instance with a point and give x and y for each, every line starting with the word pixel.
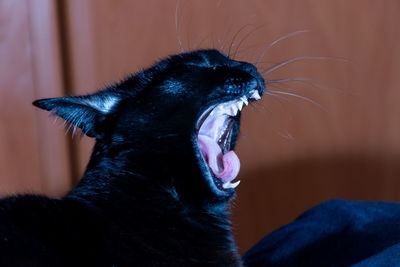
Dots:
pixel 85 112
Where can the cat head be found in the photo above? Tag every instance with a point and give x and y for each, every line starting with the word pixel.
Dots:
pixel 175 123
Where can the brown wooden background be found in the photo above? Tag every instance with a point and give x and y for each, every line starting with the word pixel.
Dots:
pixel 351 150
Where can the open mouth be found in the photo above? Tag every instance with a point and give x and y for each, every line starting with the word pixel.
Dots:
pixel 214 140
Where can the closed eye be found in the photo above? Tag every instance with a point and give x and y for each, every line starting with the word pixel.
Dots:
pixel 199 64
pixel 202 65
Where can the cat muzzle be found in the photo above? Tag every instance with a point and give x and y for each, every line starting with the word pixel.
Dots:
pixel 214 139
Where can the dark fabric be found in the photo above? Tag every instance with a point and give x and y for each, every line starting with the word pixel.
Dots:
pixel 334 233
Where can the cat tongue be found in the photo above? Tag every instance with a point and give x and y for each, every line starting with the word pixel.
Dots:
pixel 225 166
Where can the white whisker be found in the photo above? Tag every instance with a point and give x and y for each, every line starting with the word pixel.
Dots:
pixel 276 41
pixel 282 133
pixel 309 81
pixel 244 38
pixel 234 38
pixel 176 26
pixel 285 99
pixel 283 63
pixel 301 97
pixel 222 43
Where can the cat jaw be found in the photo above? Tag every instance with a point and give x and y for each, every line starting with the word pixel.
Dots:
pixel 214 132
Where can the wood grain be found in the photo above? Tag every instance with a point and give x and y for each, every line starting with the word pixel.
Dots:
pixel 33 153
pixel 348 148
pixel 54 147
pixel 294 153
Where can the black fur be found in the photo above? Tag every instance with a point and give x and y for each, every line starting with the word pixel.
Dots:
pixel 144 199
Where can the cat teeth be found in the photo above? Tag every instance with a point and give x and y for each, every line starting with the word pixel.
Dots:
pixel 255 95
pixel 228 185
pixel 244 99
pixel 235 109
pixel 232 108
pixel 239 105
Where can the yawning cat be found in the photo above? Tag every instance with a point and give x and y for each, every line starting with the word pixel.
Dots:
pixel 158 184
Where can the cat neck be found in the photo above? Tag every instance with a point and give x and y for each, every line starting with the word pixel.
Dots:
pixel 156 215
pixel 112 184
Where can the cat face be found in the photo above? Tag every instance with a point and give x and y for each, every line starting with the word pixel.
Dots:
pixel 175 123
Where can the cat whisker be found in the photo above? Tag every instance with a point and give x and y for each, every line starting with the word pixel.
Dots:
pixel 212 40
pixel 253 106
pixel 282 133
pixel 299 96
pixel 221 48
pixel 279 98
pixel 276 41
pixel 290 60
pixel 197 45
pixel 176 26
pixel 285 135
pixel 220 45
pixel 244 38
pixel 263 106
pixel 309 81
pixel 234 38
pixel 287 80
pixel 254 46
pixel 282 88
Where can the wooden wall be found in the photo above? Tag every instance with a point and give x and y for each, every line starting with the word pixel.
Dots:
pixel 294 153
pixel 34 156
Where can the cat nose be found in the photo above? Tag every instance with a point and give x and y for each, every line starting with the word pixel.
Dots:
pixel 247 67
pixel 240 86
pixel 244 66
pixel 257 81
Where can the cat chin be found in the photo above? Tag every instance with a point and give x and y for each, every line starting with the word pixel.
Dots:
pixel 220 164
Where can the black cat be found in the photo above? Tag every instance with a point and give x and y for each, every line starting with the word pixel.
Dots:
pixel 158 184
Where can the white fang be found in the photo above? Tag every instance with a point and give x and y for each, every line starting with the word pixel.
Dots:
pixel 244 99
pixel 228 185
pixel 255 95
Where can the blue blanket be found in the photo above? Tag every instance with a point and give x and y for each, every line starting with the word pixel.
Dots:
pixel 334 233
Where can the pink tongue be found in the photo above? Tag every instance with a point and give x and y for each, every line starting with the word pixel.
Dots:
pixel 224 166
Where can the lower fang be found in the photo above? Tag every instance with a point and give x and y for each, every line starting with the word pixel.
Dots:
pixel 228 185
pixel 244 99
pixel 255 95
pixel 240 105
